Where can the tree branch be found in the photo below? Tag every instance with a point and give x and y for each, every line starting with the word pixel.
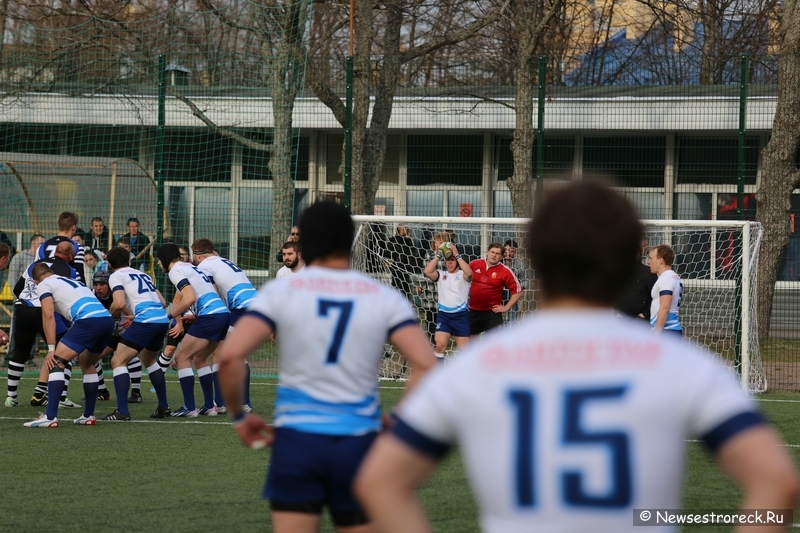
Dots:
pixel 225 19
pixel 327 96
pixel 461 35
pixel 528 51
pixel 196 111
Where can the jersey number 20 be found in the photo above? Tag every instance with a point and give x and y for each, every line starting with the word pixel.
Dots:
pixel 573 434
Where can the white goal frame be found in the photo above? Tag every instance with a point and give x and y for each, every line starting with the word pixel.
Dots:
pixel 749 250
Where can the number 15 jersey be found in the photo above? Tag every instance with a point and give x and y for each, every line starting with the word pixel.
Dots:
pixel 570 420
pixel 332 326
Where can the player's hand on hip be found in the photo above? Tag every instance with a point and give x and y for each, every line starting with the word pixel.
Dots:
pixel 127 320
pixel 255 433
pixel 499 309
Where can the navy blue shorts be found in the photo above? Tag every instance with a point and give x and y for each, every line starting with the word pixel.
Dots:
pixel 141 336
pixel 211 327
pixel 90 334
pixel 456 324
pixel 314 468
pixel 236 314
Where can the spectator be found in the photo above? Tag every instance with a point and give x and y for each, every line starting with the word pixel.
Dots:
pixel 98 238
pixel 518 268
pixel 405 258
pixel 294 236
pixel 3 271
pixel 185 255
pixel 5 240
pixel 490 275
pixel 89 265
pixel 636 299
pixel 124 242
pixel 21 261
pixel 138 243
pixel 645 250
pixel 292 260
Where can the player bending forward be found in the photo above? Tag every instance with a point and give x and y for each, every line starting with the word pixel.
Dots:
pixel 570 420
pixel 91 326
pixel 332 324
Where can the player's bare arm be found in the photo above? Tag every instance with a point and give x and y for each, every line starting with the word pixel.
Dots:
pixel 430 268
pixel 187 299
pixel 249 334
pixel 758 462
pixel 117 303
pixel 462 263
pixel 664 303
pixel 413 345
pixel 394 507
pixel 49 325
pixel 511 302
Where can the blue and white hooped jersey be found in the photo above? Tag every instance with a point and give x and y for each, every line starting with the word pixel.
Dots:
pixel 453 291
pixel 332 327
pixel 71 299
pixel 668 284
pixel 571 419
pixel 208 301
pixel 29 296
pixel 232 283
pixel 48 250
pixel 140 295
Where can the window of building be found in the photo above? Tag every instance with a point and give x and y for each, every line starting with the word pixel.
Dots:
pixel 558 157
pixel 103 141
pixel 255 163
pixel 715 161
pixel 391 161
pixel 445 159
pixel 635 161
pixel 192 155
pixel 30 138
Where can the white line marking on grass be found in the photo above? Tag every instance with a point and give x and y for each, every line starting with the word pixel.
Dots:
pixel 779 401
pixel 784 445
pixel 161 421
pixel 275 384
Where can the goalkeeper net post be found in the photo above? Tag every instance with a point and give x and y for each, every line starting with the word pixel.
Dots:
pixel 717 261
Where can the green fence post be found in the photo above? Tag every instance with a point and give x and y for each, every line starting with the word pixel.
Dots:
pixel 348 134
pixel 159 160
pixel 540 129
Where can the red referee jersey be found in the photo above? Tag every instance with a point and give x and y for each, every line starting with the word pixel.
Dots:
pixel 486 290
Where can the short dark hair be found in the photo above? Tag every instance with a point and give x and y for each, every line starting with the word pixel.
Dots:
pixel 291 244
pixel 36 236
pixel 583 242
pixel 66 220
pixel 124 240
pixel 327 231
pixel 40 270
pixel 203 245
pixel 5 250
pixel 132 219
pixel 118 257
pixel 512 243
pixel 665 252
pixel 495 245
pixel 96 219
pixel 168 253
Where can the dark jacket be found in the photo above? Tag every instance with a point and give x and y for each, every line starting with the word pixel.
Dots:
pixel 101 243
pixel 636 298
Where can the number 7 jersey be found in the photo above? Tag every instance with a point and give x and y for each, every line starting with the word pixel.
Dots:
pixel 331 326
pixel 568 421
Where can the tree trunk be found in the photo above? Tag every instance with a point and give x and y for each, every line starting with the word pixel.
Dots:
pixel 285 80
pixel 779 175
pixel 362 82
pixel 708 61
pixel 520 183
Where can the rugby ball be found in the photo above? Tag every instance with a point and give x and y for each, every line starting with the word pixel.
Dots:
pixel 445 250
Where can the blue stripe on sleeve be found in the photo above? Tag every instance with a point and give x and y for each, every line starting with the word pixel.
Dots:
pixel 731 427
pixel 404 323
pixel 118 288
pixel 263 317
pixel 182 283
pixel 665 293
pixel 45 295
pixel 418 441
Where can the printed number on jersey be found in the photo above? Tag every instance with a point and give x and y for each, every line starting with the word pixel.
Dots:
pixel 70 283
pixel 344 309
pixel 232 265
pixel 145 283
pixel 201 274
pixel 572 435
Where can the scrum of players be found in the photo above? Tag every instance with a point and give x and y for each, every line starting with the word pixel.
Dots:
pixel 567 420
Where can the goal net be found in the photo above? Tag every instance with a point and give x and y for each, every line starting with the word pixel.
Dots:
pixel 717 261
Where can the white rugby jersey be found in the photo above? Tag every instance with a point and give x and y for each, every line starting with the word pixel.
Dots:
pixel 569 420
pixel 668 283
pixel 453 291
pixel 140 295
pixel 331 326
pixel 285 272
pixel 208 301
pixel 71 299
pixel 232 283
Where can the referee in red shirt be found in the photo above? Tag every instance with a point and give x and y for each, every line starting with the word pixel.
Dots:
pixel 490 275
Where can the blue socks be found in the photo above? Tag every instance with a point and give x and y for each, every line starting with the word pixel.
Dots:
pixel 55 386
pixel 186 378
pixel 218 399
pixel 122 381
pixel 159 384
pixel 207 385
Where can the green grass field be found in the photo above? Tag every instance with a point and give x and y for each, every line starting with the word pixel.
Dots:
pixel 193 475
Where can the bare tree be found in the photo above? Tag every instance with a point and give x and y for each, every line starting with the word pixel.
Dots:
pixel 370 131
pixel 779 173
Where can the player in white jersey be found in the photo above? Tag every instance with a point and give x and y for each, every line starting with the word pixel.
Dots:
pixel 292 260
pixel 667 293
pixel 91 326
pixel 134 290
pixel 208 329
pixel 237 292
pixel 332 325
pixel 572 419
pixel 452 285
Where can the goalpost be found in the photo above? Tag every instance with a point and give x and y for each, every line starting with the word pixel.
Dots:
pixel 717 261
